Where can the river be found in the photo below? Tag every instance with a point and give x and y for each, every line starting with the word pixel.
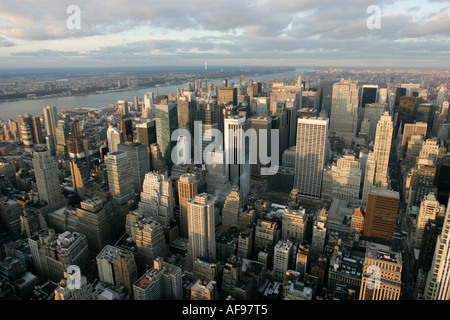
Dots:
pixel 11 110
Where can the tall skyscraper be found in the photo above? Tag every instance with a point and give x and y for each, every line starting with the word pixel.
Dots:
pixel 381 215
pixel 95 218
pixel 294 224
pixel 369 94
pixel 157 198
pixel 62 134
pixel 319 234
pixel 148 234
pixel 146 132
pixel 438 282
pixel 47 180
pixel 382 149
pixel 120 181
pixel 140 162
pixel 237 152
pixel 282 256
pixel 373 112
pixel 126 126
pixel 26 132
pixel 344 109
pixel 429 209
pixel 201 223
pixel 230 212
pixel 187 189
pixel 343 179
pixel 149 106
pixel 166 122
pixel 50 121
pixel 406 111
pixel 115 137
pixel 382 274
pixel 312 142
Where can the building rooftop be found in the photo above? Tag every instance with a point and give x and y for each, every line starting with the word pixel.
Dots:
pixel 384 193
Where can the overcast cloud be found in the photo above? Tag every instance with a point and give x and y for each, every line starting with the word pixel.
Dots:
pixel 231 32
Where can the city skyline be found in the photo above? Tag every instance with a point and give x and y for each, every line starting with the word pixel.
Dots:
pixel 135 140
pixel 228 33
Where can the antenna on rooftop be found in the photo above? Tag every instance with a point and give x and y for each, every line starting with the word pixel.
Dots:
pixel 206 75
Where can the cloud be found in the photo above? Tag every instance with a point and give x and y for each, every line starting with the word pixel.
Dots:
pixel 6 43
pixel 227 29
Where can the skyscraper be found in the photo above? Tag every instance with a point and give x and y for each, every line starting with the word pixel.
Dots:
pixel 146 132
pixel 115 137
pixel 382 274
pixel 429 209
pixel 201 223
pixel 344 109
pixel 95 218
pixel 382 149
pixel 62 134
pixel 438 281
pixel 230 212
pixel 162 282
pixel 166 122
pixel 343 180
pixel 120 181
pixel 369 94
pixel 312 139
pixel 140 162
pixel 187 189
pixel 237 152
pixel 157 198
pixel 50 121
pixel 373 112
pixel 294 224
pixel 117 267
pixel 47 180
pixel 381 215
pixel 148 234
pixel 53 253
pixel 149 106
pixel 282 258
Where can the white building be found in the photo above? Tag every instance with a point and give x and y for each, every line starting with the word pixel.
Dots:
pixel 201 225
pixel 438 281
pixel 312 142
pixel 281 258
pixel 344 109
pixel 157 198
pixel 429 209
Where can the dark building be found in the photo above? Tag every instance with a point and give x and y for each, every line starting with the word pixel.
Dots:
pixel 126 126
pixel 369 95
pixel 432 231
pixel 381 215
pixel 400 92
pixel 228 95
pixel 406 110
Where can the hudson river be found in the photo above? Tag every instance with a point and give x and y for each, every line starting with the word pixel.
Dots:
pixel 11 110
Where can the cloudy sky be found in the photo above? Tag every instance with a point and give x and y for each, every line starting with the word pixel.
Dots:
pixel 34 33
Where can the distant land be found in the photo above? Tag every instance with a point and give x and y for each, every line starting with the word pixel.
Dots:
pixel 35 83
